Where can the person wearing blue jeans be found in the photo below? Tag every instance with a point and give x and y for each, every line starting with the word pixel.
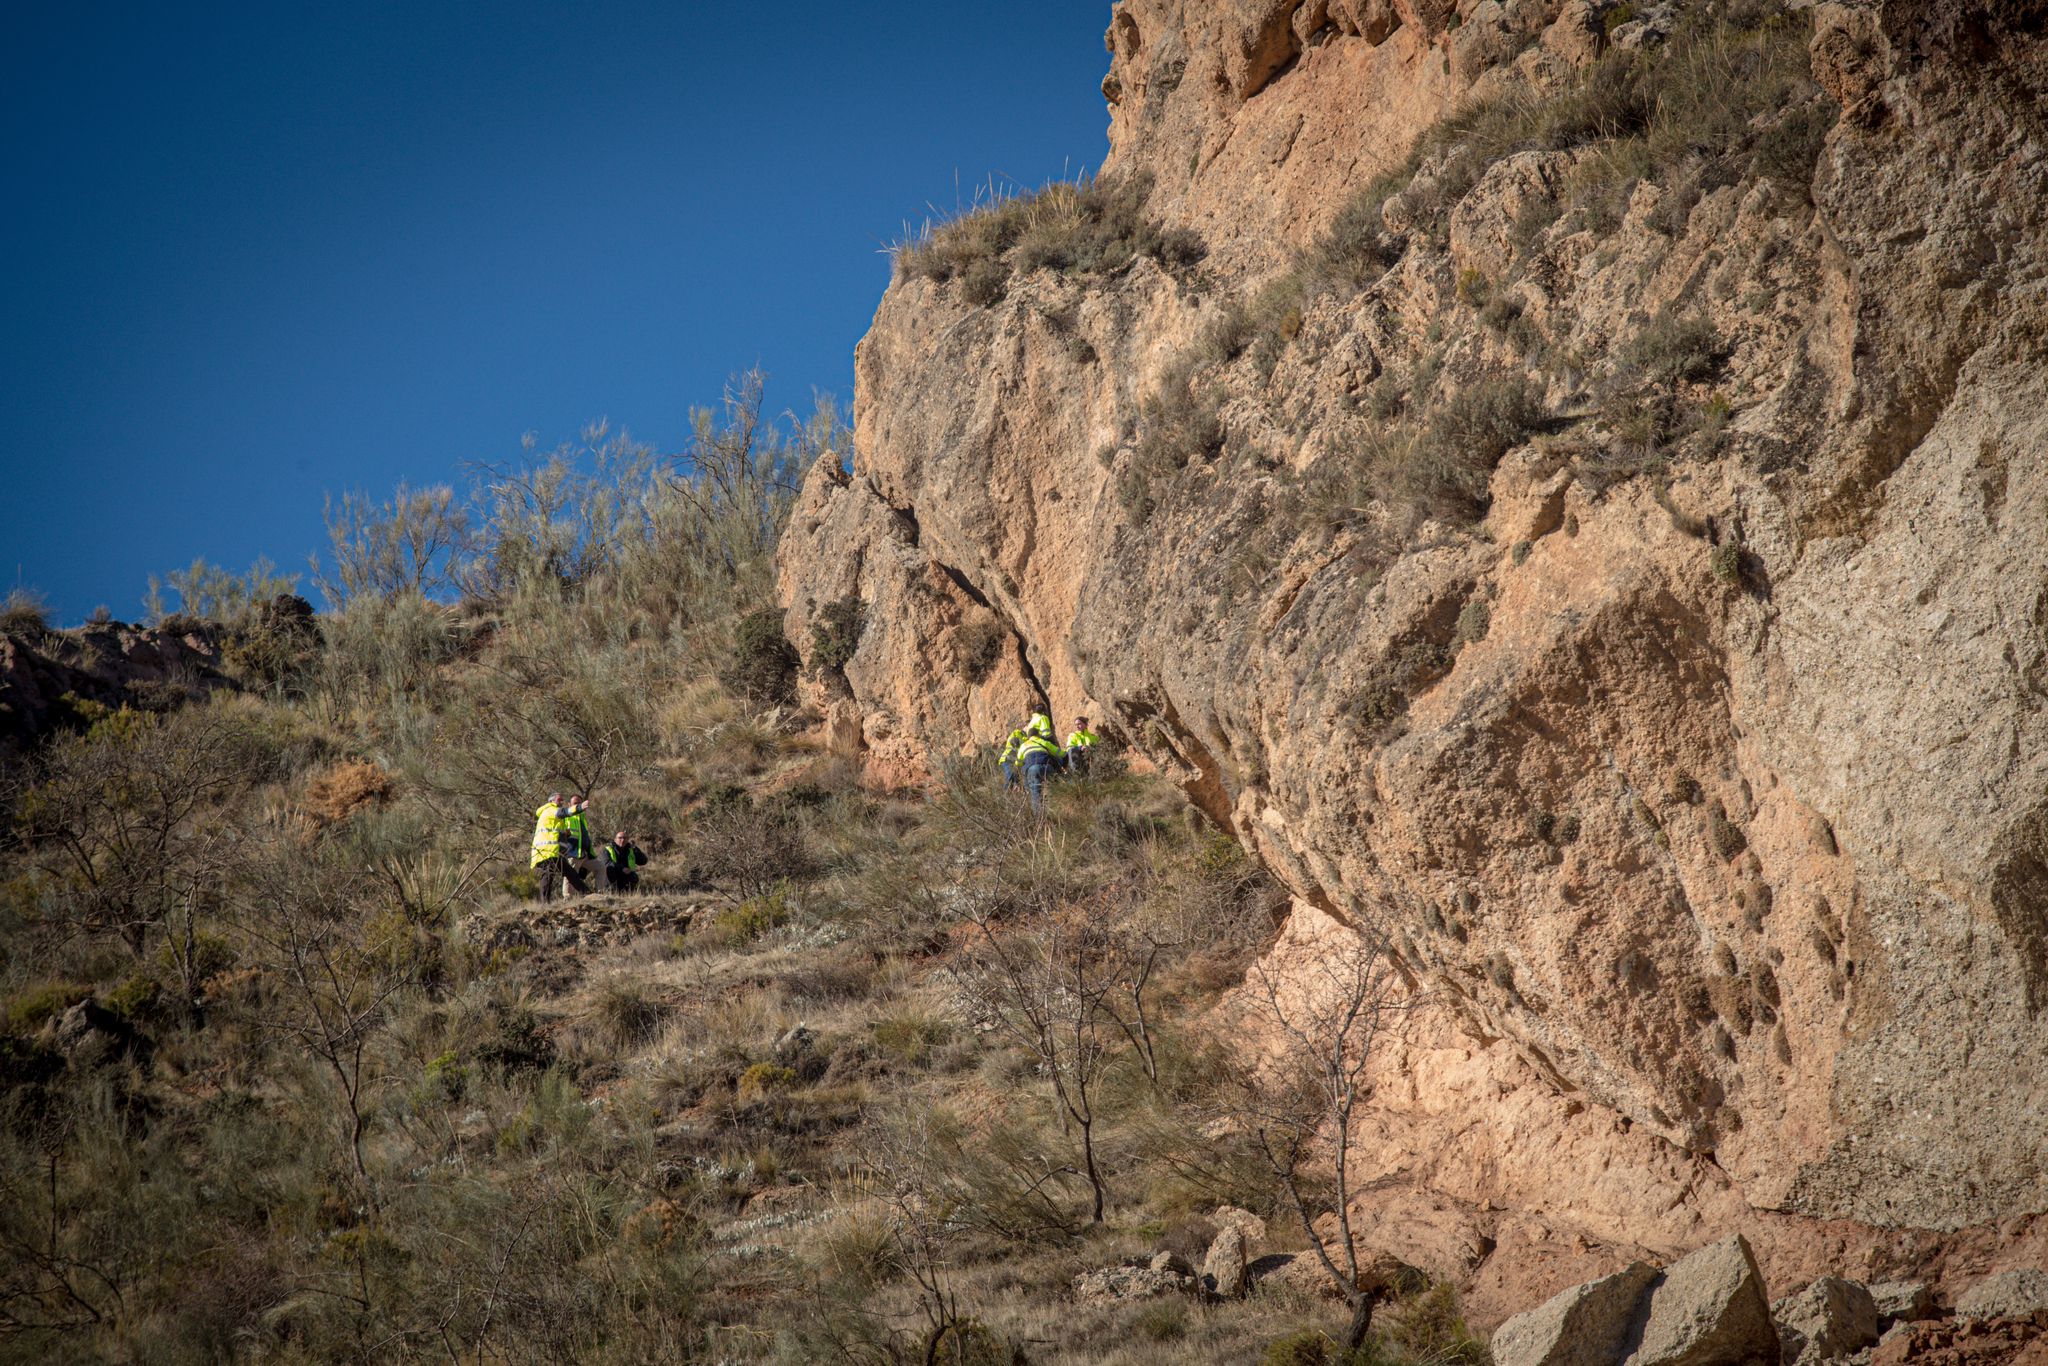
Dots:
pixel 1041 757
pixel 1007 760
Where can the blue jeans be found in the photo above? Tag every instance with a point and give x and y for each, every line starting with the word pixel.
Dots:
pixel 1009 775
pixel 1037 768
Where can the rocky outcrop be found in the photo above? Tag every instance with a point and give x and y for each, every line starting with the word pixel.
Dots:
pixel 1135 1279
pixel 1708 1310
pixel 50 679
pixel 1694 759
pixel 2016 1294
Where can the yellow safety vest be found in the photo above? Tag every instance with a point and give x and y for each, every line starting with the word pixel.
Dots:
pixel 1038 744
pixel 1082 739
pixel 547 833
pixel 1010 745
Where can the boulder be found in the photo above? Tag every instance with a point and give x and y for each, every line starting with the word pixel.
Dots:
pixel 1243 1220
pixel 1171 1261
pixel 1903 1301
pixel 1709 1310
pixel 1383 1274
pixel 1130 1281
pixel 1223 1270
pixel 1588 1325
pixel 1829 1320
pixel 2007 1295
pixel 89 1031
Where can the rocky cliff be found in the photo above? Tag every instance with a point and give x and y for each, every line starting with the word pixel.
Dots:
pixel 1567 483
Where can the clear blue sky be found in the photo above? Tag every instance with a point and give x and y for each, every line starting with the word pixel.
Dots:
pixel 256 252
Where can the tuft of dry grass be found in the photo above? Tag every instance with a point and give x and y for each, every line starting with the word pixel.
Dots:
pixel 340 792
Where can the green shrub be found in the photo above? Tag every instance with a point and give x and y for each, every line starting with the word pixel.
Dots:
pixel 1789 148
pixel 515 1039
pixel 1431 1327
pixel 912 1038
pixel 1357 249
pixel 1089 227
pixel 763 664
pixel 764 1079
pixel 1305 1347
pixel 1406 670
pixel 737 926
pixel 446 1081
pixel 1725 562
pixel 27 1010
pixel 836 632
pixel 1724 834
pixel 135 998
pixel 1475 619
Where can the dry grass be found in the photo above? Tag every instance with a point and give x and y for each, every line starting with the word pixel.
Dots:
pixel 340 792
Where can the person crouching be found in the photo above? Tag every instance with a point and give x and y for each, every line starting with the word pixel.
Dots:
pixel 622 862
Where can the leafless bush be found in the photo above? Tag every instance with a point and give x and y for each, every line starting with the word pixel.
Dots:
pixel 1295 1104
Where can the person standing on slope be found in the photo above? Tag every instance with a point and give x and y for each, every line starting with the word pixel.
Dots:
pixel 1041 756
pixel 577 848
pixel 548 865
pixel 1007 761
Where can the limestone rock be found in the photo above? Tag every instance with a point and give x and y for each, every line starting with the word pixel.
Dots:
pixel 2013 1294
pixel 1830 1319
pixel 1716 853
pixel 1903 1300
pixel 87 1028
pixel 1223 1269
pixel 1131 1281
pixel 1171 1262
pixel 1243 1220
pixel 1708 1310
pixel 1588 1325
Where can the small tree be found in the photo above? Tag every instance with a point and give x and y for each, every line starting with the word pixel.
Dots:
pixel 1068 984
pixel 330 986
pixel 415 543
pixel 130 823
pixel 1324 1025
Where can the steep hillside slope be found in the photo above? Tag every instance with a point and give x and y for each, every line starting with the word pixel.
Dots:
pixel 1607 546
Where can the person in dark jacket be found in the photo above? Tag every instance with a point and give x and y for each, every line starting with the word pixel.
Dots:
pixel 622 862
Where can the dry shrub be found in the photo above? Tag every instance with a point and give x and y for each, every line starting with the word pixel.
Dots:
pixel 334 796
pixel 980 641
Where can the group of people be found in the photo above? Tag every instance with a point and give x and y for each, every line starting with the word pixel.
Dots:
pixel 1031 756
pixel 563 855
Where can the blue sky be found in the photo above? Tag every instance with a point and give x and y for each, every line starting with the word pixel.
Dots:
pixel 255 253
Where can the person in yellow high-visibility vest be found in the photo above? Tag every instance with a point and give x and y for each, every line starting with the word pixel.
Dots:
pixel 1007 760
pixel 1079 744
pixel 1041 756
pixel 577 849
pixel 550 829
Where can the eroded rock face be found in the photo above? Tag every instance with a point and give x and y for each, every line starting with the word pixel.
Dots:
pixel 1717 837
pixel 44 675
